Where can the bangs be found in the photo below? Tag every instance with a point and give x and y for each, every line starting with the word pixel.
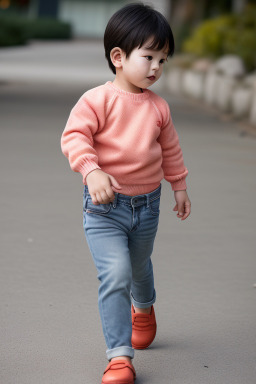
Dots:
pixel 156 44
pixel 156 32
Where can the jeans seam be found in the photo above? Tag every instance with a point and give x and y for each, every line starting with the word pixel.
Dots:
pixel 133 214
pixel 105 324
pixel 108 341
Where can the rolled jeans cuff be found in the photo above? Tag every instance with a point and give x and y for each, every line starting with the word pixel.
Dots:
pixel 120 351
pixel 143 305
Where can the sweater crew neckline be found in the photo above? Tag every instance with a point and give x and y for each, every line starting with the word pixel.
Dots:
pixel 130 95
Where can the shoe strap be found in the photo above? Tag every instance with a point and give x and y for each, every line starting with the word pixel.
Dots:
pixel 120 365
pixel 142 319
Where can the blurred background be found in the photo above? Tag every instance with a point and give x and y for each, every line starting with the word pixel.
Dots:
pixel 232 21
pixel 215 46
pixel 51 52
pixel 87 18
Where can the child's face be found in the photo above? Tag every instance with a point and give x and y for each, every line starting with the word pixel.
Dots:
pixel 143 67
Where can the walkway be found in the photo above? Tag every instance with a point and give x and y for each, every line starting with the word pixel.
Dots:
pixel 205 267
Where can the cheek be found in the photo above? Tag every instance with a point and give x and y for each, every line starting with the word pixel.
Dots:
pixel 160 70
pixel 143 65
pixel 138 62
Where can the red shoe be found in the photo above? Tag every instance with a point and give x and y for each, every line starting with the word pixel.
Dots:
pixel 119 372
pixel 143 329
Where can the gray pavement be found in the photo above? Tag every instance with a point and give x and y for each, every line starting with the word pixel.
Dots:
pixel 205 267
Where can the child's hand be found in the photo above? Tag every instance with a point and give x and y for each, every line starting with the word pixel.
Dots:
pixel 183 205
pixel 99 185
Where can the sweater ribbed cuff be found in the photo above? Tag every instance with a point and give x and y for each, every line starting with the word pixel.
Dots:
pixel 178 182
pixel 86 168
pixel 179 185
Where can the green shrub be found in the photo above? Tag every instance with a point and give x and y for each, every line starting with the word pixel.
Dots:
pixel 15 30
pixel 46 28
pixel 12 32
pixel 208 37
pixel 242 44
pixel 229 34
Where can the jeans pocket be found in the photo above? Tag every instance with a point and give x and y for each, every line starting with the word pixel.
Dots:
pixel 101 209
pixel 154 206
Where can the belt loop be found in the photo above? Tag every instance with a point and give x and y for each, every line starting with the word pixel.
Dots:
pixel 115 200
pixel 148 200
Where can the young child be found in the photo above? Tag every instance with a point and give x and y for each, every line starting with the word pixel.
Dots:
pixel 120 137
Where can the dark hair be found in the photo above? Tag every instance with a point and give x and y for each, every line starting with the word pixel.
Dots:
pixel 132 26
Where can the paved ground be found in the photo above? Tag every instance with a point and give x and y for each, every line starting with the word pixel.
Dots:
pixel 205 267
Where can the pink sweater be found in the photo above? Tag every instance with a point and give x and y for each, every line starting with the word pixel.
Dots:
pixel 130 136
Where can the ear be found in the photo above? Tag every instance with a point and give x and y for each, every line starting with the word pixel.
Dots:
pixel 116 55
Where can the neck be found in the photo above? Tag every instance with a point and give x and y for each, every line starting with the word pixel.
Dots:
pixel 119 82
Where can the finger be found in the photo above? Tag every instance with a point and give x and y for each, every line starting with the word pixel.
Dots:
pixel 185 217
pixel 110 194
pixel 94 199
pixel 114 182
pixel 187 211
pixel 99 198
pixel 175 208
pixel 104 197
pixel 180 210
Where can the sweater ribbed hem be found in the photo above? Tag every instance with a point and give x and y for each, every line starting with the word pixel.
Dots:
pixel 133 190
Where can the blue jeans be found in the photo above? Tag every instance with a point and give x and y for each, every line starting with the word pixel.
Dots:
pixel 120 236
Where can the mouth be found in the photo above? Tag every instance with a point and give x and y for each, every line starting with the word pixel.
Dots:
pixel 152 78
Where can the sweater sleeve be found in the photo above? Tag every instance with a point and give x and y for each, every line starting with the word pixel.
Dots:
pixel 173 166
pixel 77 139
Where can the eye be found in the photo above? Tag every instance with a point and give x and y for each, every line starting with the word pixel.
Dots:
pixel 162 61
pixel 149 58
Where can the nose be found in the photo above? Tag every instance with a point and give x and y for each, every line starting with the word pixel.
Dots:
pixel 155 65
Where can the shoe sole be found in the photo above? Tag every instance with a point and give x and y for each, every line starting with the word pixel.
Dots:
pixel 138 347
pixel 142 347
pixel 119 382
